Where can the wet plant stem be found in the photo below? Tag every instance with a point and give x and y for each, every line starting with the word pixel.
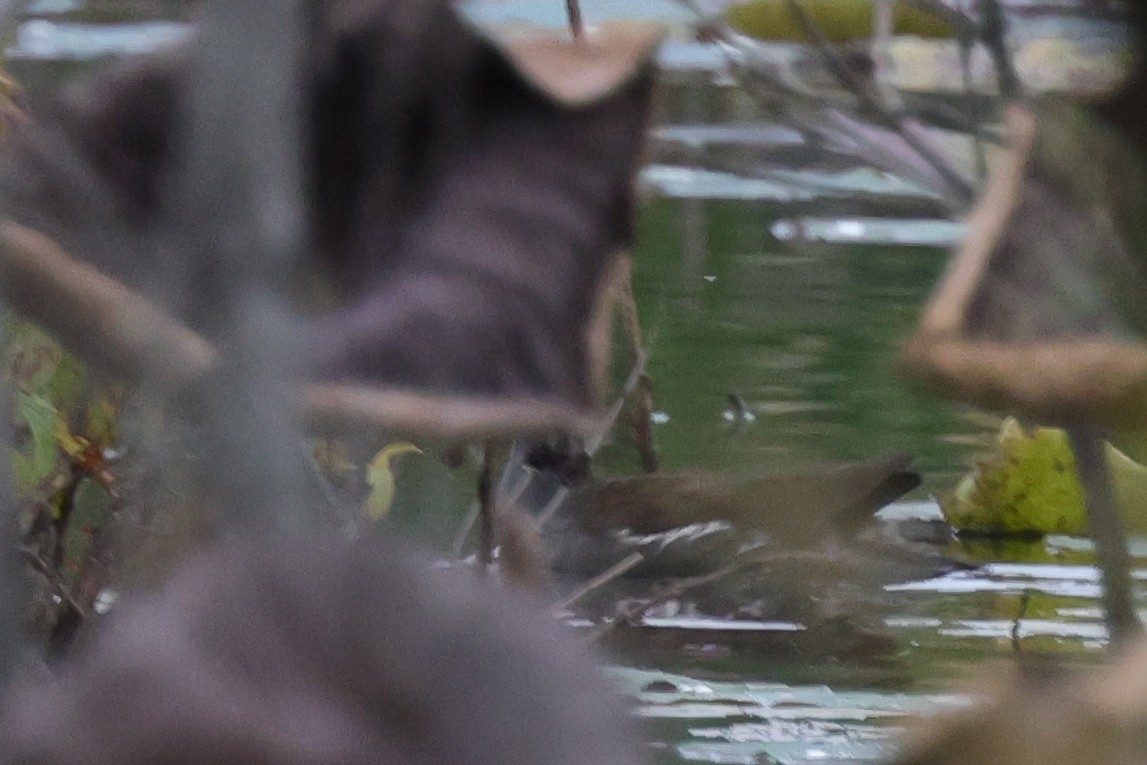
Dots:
pixel 642 419
pixel 1025 601
pixel 613 572
pixel 1106 529
pixel 486 509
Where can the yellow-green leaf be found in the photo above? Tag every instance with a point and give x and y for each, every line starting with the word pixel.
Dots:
pixel 1030 484
pixel 102 421
pixel 31 355
pixel 37 460
pixel 67 384
pixel 838 20
pixel 380 477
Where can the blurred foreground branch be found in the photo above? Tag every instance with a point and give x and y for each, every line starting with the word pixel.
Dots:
pixel 236 216
pixel 130 337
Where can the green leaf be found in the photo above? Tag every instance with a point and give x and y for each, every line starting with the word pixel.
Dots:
pixel 38 459
pixel 31 356
pixel 1030 484
pixel 380 477
pixel 838 20
pixel 91 505
pixel 67 384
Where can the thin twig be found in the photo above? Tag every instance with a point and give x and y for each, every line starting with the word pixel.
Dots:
pixel 32 558
pixel 961 22
pixel 465 527
pixel 673 589
pixel 978 138
pixel 642 418
pixel 987 223
pixel 879 49
pixel 334 407
pixel 642 392
pixel 486 509
pixel 551 507
pixel 96 316
pixel 605 577
pixel 577 26
pixel 993 31
pixel 870 100
pixel 1025 601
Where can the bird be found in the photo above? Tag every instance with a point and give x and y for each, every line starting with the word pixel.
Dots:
pixel 691 522
pixel 793 508
pixel 800 545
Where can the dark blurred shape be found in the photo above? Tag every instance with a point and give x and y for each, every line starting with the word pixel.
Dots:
pixel 463 202
pixel 566 461
pixel 1043 714
pixel 293 652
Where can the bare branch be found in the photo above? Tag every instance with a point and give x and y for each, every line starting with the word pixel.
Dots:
pixel 127 335
pixel 985 225
pixel 97 316
pixel 872 100
pixel 613 572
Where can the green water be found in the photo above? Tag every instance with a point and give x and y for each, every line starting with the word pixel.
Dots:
pixel 808 340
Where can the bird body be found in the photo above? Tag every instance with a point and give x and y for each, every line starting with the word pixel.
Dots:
pixel 795 508
pixel 800 545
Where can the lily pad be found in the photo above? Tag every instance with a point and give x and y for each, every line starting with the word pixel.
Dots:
pixel 838 20
pixel 1030 484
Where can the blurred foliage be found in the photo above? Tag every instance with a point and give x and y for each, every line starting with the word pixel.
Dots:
pixel 64 423
pixel 838 20
pixel 1029 484
pixel 62 416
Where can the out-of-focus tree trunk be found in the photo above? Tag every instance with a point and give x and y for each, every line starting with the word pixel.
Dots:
pixel 238 212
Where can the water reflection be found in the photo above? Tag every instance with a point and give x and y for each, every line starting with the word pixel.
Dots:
pixel 41 39
pixel 951 627
pixel 753 722
pixel 807 339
